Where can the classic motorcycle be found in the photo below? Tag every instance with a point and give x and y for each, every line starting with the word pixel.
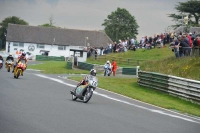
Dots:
pixel 107 71
pixel 19 69
pixel 85 92
pixel 9 65
pixel 1 64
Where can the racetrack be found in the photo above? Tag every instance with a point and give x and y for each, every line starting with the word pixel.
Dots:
pixel 38 103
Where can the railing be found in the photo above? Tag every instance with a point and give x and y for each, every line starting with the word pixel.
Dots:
pixel 49 58
pixel 119 60
pixel 181 87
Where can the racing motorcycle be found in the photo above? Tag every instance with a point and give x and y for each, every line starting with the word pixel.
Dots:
pixel 85 92
pixel 1 64
pixel 107 71
pixel 9 65
pixel 19 69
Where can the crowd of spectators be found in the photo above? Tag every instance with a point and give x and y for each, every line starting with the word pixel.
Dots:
pixel 181 44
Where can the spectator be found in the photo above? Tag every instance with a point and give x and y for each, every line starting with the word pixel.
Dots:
pixel 115 47
pixel 101 50
pixel 95 53
pixel 114 67
pixel 184 48
pixel 175 47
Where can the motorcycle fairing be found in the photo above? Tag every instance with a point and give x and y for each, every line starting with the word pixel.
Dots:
pixel 80 90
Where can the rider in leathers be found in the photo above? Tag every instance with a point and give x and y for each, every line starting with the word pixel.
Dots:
pixel 10 57
pixel 85 80
pixel 21 57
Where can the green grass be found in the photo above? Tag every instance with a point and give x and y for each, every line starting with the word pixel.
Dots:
pixel 186 67
pixel 140 54
pixel 56 67
pixel 131 89
pixel 156 60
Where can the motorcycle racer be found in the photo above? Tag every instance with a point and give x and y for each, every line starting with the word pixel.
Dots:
pixel 20 58
pixel 84 80
pixel 10 57
pixel 108 64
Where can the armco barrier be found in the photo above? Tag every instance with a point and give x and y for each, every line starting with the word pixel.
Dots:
pixel 49 58
pixel 129 71
pixel 181 87
pixel 85 66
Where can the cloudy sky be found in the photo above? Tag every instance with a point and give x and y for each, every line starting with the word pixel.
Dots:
pixel 151 15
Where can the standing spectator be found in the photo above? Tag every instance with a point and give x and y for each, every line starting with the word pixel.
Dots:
pixel 175 47
pixel 95 53
pixel 110 47
pixel 171 37
pixel 184 47
pixel 168 37
pixel 114 67
pixel 190 39
pixel 115 47
pixel 101 50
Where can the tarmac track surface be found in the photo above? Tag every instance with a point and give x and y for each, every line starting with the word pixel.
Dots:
pixel 38 103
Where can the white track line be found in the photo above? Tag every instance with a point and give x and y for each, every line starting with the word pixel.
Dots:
pixel 122 101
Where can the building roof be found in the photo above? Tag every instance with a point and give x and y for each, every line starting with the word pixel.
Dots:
pixel 56 36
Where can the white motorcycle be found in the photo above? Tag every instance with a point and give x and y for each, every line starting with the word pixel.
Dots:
pixel 107 70
pixel 85 92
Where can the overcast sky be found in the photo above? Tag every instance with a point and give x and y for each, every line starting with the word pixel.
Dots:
pixel 151 15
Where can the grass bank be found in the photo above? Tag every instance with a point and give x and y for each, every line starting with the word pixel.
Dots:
pixel 129 87
pixel 139 54
pixel 56 67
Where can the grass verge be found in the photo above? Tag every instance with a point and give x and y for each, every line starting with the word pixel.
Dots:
pixel 131 89
pixel 56 67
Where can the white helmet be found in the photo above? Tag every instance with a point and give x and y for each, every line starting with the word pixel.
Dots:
pixel 108 62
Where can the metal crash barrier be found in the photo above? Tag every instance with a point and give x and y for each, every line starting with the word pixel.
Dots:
pixel 176 86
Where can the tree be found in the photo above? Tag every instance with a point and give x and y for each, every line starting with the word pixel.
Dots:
pixel 120 24
pixel 4 26
pixel 50 24
pixel 190 9
pixel 47 25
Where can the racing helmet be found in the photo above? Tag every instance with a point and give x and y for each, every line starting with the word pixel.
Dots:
pixel 10 54
pixel 93 72
pixel 108 62
pixel 24 54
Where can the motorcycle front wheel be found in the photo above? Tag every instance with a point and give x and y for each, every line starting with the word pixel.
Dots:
pixel 88 95
pixel 8 68
pixel 74 97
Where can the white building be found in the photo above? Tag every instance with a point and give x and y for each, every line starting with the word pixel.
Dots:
pixel 38 40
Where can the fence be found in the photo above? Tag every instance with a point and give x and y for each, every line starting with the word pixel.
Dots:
pixel 49 58
pixel 85 66
pixel 181 87
pixel 124 61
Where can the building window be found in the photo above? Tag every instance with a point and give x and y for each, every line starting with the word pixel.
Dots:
pixel 40 46
pixel 21 44
pixel 61 47
pixel 15 44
